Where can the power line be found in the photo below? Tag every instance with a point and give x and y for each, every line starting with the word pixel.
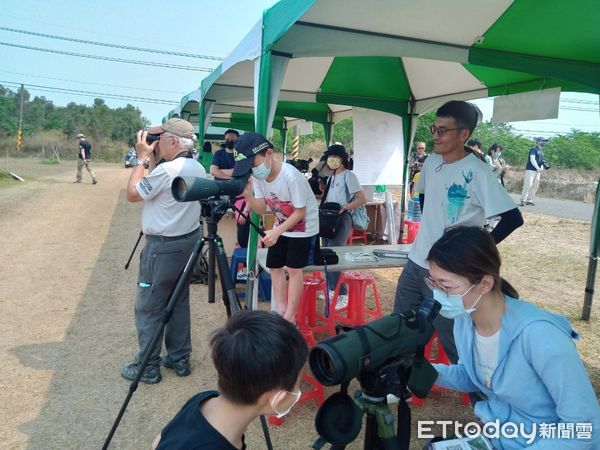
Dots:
pixel 105 44
pixel 108 58
pixel 89 82
pixel 90 93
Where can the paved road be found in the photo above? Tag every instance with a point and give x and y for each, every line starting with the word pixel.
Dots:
pixel 569 209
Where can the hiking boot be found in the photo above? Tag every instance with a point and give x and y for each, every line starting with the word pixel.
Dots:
pixel 530 203
pixel 181 367
pixel 95 182
pixel 151 375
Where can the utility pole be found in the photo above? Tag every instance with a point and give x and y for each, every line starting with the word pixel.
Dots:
pixel 19 132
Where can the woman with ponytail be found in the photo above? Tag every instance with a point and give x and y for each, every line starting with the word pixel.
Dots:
pixel 521 357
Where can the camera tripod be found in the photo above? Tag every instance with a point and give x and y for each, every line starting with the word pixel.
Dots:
pixel 212 210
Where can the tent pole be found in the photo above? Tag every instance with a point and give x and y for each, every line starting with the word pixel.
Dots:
pixel 593 260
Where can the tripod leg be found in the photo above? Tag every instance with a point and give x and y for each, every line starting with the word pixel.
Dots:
pixel 182 280
pixel 230 298
pixel 134 249
pixel 212 252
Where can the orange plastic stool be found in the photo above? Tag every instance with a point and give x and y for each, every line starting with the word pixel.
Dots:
pixel 358 235
pixel 308 320
pixel 441 358
pixel 317 392
pixel 410 232
pixel 356 312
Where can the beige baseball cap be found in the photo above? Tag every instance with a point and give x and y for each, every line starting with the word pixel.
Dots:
pixel 178 127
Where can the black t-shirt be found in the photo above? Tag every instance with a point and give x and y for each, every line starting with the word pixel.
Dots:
pixel 190 430
pixel 223 160
pixel 87 147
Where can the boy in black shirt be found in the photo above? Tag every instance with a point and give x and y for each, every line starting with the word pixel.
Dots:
pixel 259 357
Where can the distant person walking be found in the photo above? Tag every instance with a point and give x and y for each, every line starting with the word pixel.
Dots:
pixel 533 170
pixel 85 149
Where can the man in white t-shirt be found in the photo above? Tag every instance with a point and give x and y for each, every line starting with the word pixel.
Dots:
pixel 171 229
pixel 290 198
pixel 456 188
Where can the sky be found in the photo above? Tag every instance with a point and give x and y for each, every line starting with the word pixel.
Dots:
pixel 201 27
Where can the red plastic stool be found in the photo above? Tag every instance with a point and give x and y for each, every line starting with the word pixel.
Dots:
pixel 409 233
pixel 441 358
pixel 356 312
pixel 361 235
pixel 308 320
pixel 317 392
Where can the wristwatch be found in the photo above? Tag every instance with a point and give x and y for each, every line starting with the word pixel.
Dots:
pixel 136 162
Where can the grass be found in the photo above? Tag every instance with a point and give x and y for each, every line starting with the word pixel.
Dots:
pixel 49 162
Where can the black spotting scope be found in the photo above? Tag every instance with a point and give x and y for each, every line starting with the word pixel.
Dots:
pixel 188 189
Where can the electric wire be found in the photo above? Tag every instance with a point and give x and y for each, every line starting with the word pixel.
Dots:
pixel 108 58
pixel 105 44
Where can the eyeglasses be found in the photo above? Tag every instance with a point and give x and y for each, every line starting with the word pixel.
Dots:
pixel 433 285
pixel 441 130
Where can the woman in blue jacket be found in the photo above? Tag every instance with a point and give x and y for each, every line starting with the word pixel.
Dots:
pixel 519 356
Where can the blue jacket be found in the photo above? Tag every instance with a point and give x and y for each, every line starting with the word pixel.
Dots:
pixel 540 378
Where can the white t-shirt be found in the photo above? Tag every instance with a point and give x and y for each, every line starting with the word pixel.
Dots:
pixel 162 214
pixel 337 189
pixel 486 356
pixel 288 191
pixel 465 192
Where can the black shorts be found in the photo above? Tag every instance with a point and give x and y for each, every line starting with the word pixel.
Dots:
pixel 294 253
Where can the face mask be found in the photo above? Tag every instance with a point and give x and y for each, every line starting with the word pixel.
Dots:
pixel 261 171
pixel 229 144
pixel 283 413
pixel 333 162
pixel 452 304
pixel 497 154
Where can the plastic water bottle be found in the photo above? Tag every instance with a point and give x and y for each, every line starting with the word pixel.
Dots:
pixel 414 210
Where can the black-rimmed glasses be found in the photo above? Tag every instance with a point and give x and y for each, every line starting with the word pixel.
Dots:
pixel 442 130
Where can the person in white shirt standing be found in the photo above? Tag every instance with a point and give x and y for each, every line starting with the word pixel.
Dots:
pixel 293 238
pixel 171 229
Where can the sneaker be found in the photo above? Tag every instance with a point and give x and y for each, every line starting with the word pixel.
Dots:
pixel 242 274
pixel 530 203
pixel 151 375
pixel 76 181
pixel 321 296
pixel 342 301
pixel 181 367
pixel 522 203
pixel 95 182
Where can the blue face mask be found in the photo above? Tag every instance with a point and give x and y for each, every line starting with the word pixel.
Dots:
pixel 261 171
pixel 497 154
pixel 452 304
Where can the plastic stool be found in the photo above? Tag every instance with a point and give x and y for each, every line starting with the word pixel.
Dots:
pixel 441 358
pixel 307 318
pixel 317 392
pixel 358 235
pixel 410 231
pixel 238 260
pixel 356 312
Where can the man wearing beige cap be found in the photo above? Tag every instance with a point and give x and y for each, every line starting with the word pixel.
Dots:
pixel 171 229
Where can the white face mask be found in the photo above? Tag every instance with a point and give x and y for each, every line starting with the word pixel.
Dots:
pixel 452 304
pixel 334 163
pixel 274 400
pixel 261 171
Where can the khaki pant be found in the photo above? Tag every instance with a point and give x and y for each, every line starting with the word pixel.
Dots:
pixel 88 166
pixel 531 182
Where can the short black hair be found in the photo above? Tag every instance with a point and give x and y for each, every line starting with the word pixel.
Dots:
pixel 255 352
pixel 231 130
pixel 472 142
pixel 464 113
pixel 207 147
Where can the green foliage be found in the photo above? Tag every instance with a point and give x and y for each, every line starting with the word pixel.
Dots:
pixel 49 162
pixel 113 129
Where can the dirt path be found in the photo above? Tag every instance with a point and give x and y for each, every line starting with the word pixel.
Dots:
pixel 67 310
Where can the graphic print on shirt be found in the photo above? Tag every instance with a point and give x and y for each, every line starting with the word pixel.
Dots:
pixel 282 211
pixel 457 196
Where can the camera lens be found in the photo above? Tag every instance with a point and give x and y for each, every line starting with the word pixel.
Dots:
pixel 326 365
pixel 179 188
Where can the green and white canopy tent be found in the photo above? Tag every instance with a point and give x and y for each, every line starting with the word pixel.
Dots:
pixel 400 56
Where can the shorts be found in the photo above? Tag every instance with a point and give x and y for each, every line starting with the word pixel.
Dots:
pixel 293 252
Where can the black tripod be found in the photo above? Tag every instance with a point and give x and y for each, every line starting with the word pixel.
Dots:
pixel 212 210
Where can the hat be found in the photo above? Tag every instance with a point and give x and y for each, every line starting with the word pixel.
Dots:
pixel 246 148
pixel 339 419
pixel 80 135
pixel 541 139
pixel 178 127
pixel 337 150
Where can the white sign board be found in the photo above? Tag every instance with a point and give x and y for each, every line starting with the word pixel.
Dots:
pixel 527 106
pixel 378 147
